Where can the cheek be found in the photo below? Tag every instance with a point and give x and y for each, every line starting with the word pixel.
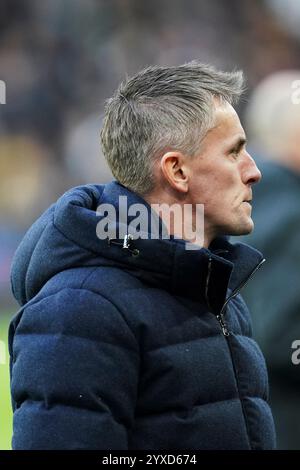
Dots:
pixel 220 202
pixel 214 189
pixel 207 184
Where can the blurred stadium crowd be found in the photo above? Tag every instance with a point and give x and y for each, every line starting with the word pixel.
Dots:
pixel 60 60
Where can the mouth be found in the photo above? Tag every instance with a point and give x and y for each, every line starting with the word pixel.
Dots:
pixel 249 200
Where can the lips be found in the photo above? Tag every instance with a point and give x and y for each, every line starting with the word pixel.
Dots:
pixel 248 201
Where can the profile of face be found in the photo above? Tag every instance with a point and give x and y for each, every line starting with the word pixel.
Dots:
pixel 221 176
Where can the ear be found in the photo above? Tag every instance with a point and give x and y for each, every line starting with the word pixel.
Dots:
pixel 175 170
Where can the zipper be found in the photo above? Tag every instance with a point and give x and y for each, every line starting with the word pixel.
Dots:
pixel 207 282
pixel 223 324
pixel 221 316
pixel 239 288
pixel 226 333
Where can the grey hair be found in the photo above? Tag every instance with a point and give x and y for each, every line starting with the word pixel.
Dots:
pixel 160 109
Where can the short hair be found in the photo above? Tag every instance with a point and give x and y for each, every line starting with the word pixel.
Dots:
pixel 159 109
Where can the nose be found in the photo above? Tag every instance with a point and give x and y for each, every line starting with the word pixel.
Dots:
pixel 251 174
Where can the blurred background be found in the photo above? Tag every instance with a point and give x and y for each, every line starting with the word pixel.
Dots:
pixel 60 60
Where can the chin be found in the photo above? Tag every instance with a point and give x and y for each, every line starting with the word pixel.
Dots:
pixel 243 228
pixel 246 228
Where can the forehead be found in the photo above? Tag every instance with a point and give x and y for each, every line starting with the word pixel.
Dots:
pixel 227 128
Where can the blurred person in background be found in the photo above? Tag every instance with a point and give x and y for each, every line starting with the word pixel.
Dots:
pixel 273 125
pixel 82 153
pixel 145 343
pixel 28 180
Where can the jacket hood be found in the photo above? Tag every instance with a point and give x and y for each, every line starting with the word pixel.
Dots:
pixel 65 237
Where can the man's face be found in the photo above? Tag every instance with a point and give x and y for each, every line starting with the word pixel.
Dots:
pixel 222 175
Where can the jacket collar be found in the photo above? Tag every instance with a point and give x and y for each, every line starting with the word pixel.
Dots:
pixel 204 274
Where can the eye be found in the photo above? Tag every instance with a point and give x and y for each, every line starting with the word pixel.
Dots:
pixel 234 152
pixel 237 150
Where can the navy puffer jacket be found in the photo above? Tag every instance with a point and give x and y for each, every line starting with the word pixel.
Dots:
pixel 122 349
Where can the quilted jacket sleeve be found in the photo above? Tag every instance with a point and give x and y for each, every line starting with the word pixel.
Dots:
pixel 74 374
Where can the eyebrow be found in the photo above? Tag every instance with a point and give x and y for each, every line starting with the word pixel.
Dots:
pixel 238 145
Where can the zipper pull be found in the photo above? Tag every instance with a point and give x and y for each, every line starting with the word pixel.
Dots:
pixel 223 325
pixel 127 241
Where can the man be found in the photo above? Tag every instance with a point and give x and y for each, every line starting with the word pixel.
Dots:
pixel 140 342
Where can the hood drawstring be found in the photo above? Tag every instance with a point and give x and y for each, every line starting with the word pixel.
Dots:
pixel 126 244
